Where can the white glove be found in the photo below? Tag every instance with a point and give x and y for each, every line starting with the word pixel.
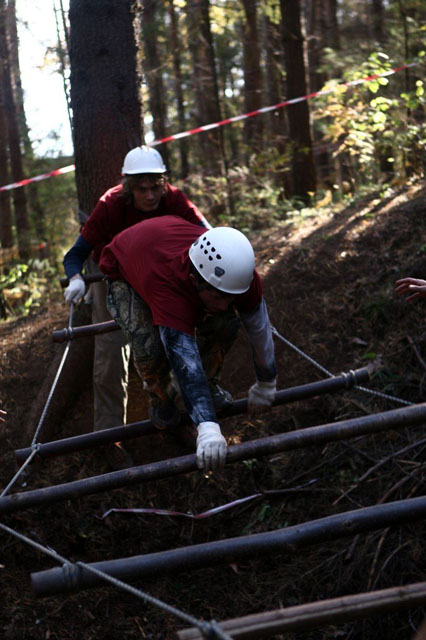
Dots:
pixel 261 396
pixel 75 290
pixel 211 447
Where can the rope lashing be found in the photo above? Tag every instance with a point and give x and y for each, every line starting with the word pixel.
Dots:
pixel 349 378
pixel 372 392
pixel 72 570
pixel 55 382
pixel 210 629
pixel 34 445
pixel 34 451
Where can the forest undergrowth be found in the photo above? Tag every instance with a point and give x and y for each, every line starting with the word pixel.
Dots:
pixel 328 282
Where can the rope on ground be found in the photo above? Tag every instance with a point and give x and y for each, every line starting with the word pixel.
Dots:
pixel 55 382
pixel 209 629
pixel 20 470
pixel 372 392
pixel 34 446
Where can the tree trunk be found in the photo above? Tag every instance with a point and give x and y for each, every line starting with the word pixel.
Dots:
pixel 315 31
pixel 175 47
pixel 6 237
pixel 274 89
pixel 303 168
pixel 253 127
pixel 105 95
pixel 333 39
pixel 205 85
pixel 19 197
pixel 75 378
pixel 38 213
pixel 15 73
pixel 378 23
pixel 107 123
pixel 63 54
pixel 152 65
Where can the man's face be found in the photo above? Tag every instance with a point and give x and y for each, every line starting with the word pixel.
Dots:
pixel 147 193
pixel 214 300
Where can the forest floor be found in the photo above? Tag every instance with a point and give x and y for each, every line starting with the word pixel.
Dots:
pixel 328 283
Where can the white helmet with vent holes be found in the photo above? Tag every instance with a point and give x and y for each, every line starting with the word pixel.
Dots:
pixel 224 258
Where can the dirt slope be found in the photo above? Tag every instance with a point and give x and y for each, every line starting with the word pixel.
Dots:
pixel 328 284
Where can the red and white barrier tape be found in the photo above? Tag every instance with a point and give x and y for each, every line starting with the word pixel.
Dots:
pixel 309 96
pixel 210 512
pixel 43 176
pixel 198 516
pixel 221 123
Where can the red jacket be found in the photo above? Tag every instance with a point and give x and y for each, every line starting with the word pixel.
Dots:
pixel 113 213
pixel 152 257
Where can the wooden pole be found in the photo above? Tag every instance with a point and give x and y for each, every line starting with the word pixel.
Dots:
pixel 87 277
pixel 209 554
pixel 318 614
pixel 62 335
pixel 343 430
pixel 145 427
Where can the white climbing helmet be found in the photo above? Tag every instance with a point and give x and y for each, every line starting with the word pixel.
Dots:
pixel 224 258
pixel 143 160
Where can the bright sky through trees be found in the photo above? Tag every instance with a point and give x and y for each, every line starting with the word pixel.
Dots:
pixel 44 99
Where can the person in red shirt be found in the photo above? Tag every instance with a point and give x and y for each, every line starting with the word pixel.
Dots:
pixel 176 289
pixel 144 193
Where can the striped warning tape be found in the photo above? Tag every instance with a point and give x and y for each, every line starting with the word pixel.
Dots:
pixel 43 176
pixel 210 512
pixel 221 123
pixel 273 107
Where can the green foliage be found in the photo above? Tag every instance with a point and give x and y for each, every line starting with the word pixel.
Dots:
pixel 271 8
pixel 52 206
pixel 378 310
pixel 373 126
pixel 53 215
pixel 266 518
pixel 251 197
pixel 377 129
pixel 26 286
pixel 243 201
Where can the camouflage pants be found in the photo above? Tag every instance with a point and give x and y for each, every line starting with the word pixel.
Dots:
pixel 215 335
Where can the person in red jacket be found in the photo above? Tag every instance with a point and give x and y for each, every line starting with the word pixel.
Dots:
pixel 177 290
pixel 144 193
